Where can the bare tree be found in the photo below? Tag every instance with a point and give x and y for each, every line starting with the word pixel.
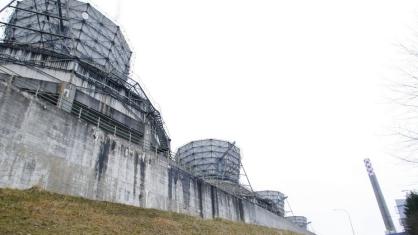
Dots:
pixel 404 94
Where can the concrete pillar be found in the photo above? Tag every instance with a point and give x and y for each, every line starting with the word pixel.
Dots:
pixel 10 81
pixel 66 93
pixel 147 136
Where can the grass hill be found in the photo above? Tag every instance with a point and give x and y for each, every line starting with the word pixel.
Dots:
pixel 38 212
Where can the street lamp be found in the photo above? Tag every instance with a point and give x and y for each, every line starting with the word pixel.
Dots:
pixel 349 218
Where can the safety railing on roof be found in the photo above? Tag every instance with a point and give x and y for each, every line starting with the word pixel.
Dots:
pixel 82 112
pixel 111 83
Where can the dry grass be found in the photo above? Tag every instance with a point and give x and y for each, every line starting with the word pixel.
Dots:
pixel 38 212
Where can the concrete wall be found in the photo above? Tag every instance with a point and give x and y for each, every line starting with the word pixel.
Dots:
pixel 43 146
pixel 59 76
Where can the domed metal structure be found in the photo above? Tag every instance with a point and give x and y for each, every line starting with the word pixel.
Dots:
pixel 276 198
pixel 211 159
pixel 70 27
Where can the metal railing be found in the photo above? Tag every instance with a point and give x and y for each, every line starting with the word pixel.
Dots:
pixel 124 89
pixel 82 112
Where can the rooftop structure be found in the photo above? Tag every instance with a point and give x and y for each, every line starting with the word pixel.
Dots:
pixel 211 159
pixel 276 198
pixel 70 27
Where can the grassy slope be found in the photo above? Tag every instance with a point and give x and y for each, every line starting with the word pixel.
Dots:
pixel 38 212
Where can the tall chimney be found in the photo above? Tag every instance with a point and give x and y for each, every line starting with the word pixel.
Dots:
pixel 390 228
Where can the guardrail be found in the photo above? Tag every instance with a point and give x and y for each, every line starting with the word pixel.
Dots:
pixel 110 82
pixel 87 114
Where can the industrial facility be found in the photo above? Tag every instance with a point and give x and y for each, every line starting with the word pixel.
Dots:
pixel 211 159
pixel 219 163
pixel 65 74
pixel 69 54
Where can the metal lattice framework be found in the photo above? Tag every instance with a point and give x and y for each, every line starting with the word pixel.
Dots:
pixel 211 159
pixel 277 199
pixel 69 27
pixel 218 163
pixel 72 36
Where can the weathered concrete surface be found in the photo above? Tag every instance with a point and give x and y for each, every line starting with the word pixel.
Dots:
pixel 44 146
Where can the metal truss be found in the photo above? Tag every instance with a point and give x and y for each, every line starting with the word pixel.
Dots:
pixel 70 27
pixel 73 36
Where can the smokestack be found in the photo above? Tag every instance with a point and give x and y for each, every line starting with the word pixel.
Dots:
pixel 390 228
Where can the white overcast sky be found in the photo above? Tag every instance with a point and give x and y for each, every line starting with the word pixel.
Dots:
pixel 299 85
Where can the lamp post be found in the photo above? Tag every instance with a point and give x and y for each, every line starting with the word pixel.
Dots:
pixel 349 218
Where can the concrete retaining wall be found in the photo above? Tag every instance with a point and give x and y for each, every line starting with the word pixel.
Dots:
pixel 43 146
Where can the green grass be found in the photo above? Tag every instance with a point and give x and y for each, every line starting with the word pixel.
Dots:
pixel 38 212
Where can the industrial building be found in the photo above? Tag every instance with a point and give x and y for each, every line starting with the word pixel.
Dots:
pixel 211 159
pixel 69 54
pixel 219 162
pixel 400 206
pixel 91 131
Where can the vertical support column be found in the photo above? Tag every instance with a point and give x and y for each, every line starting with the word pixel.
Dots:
pixel 147 136
pixel 66 93
pixel 214 200
pixel 10 81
